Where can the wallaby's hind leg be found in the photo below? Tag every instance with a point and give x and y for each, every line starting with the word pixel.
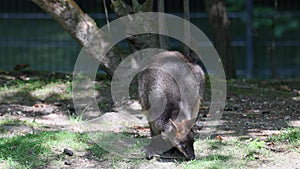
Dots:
pixel 173 153
pixel 157 143
pixel 156 146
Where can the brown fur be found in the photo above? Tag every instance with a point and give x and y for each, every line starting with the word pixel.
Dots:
pixel 168 124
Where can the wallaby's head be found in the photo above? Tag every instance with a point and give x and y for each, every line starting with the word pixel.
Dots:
pixel 182 137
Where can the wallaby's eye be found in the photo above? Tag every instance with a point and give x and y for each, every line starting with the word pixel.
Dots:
pixel 183 146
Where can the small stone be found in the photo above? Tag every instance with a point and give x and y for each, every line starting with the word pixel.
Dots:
pixel 68 152
pixel 296 98
pixel 232 99
pixel 68 162
pixel 57 104
pixel 266 112
pixel 236 107
pixel 256 111
pixel 198 126
pixel 287 117
pixel 227 108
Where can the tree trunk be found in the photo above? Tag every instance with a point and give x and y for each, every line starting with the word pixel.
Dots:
pixel 84 29
pixel 137 42
pixel 220 28
pixel 187 32
pixel 163 40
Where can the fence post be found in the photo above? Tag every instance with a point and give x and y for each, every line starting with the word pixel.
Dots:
pixel 249 39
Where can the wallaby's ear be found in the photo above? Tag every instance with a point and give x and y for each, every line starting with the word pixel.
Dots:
pixel 173 124
pixel 188 123
pixel 176 125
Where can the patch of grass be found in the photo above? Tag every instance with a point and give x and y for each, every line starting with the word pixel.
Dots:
pixel 15 122
pixel 24 151
pixel 257 92
pixel 37 150
pixel 74 119
pixel 16 84
pixel 69 87
pixel 123 145
pixel 35 81
pixel 35 89
pixel 7 121
pixel 254 148
pixel 29 84
pixel 103 85
pixel 227 153
pixel 216 144
pixel 289 135
pixel 213 161
pixel 97 151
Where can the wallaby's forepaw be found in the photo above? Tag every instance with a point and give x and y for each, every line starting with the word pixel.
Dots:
pixel 148 151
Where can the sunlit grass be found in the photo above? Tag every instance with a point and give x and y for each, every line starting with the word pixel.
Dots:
pixel 289 136
pixel 37 150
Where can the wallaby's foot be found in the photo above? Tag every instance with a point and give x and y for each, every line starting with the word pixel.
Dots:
pixel 173 153
pixel 148 151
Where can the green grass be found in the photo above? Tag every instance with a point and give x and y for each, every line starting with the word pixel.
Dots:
pixel 45 148
pixel 258 92
pixel 74 119
pixel 289 135
pixel 252 150
pixel 121 144
pixel 35 82
pixel 37 150
pixel 41 149
pixel 7 121
pixel 37 88
pixel 213 161
pixel 15 122
pixel 226 154
pixel 255 148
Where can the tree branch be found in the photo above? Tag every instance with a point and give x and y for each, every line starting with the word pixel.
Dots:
pixel 83 29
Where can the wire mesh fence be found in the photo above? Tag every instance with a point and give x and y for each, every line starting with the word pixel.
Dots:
pixel 29 36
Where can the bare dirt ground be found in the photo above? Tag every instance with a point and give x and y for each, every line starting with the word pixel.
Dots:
pixel 259 110
pixel 253 110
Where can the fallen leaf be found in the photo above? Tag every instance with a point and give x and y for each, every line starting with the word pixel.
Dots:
pixel 20 67
pixel 270 143
pixel 39 105
pixel 218 137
